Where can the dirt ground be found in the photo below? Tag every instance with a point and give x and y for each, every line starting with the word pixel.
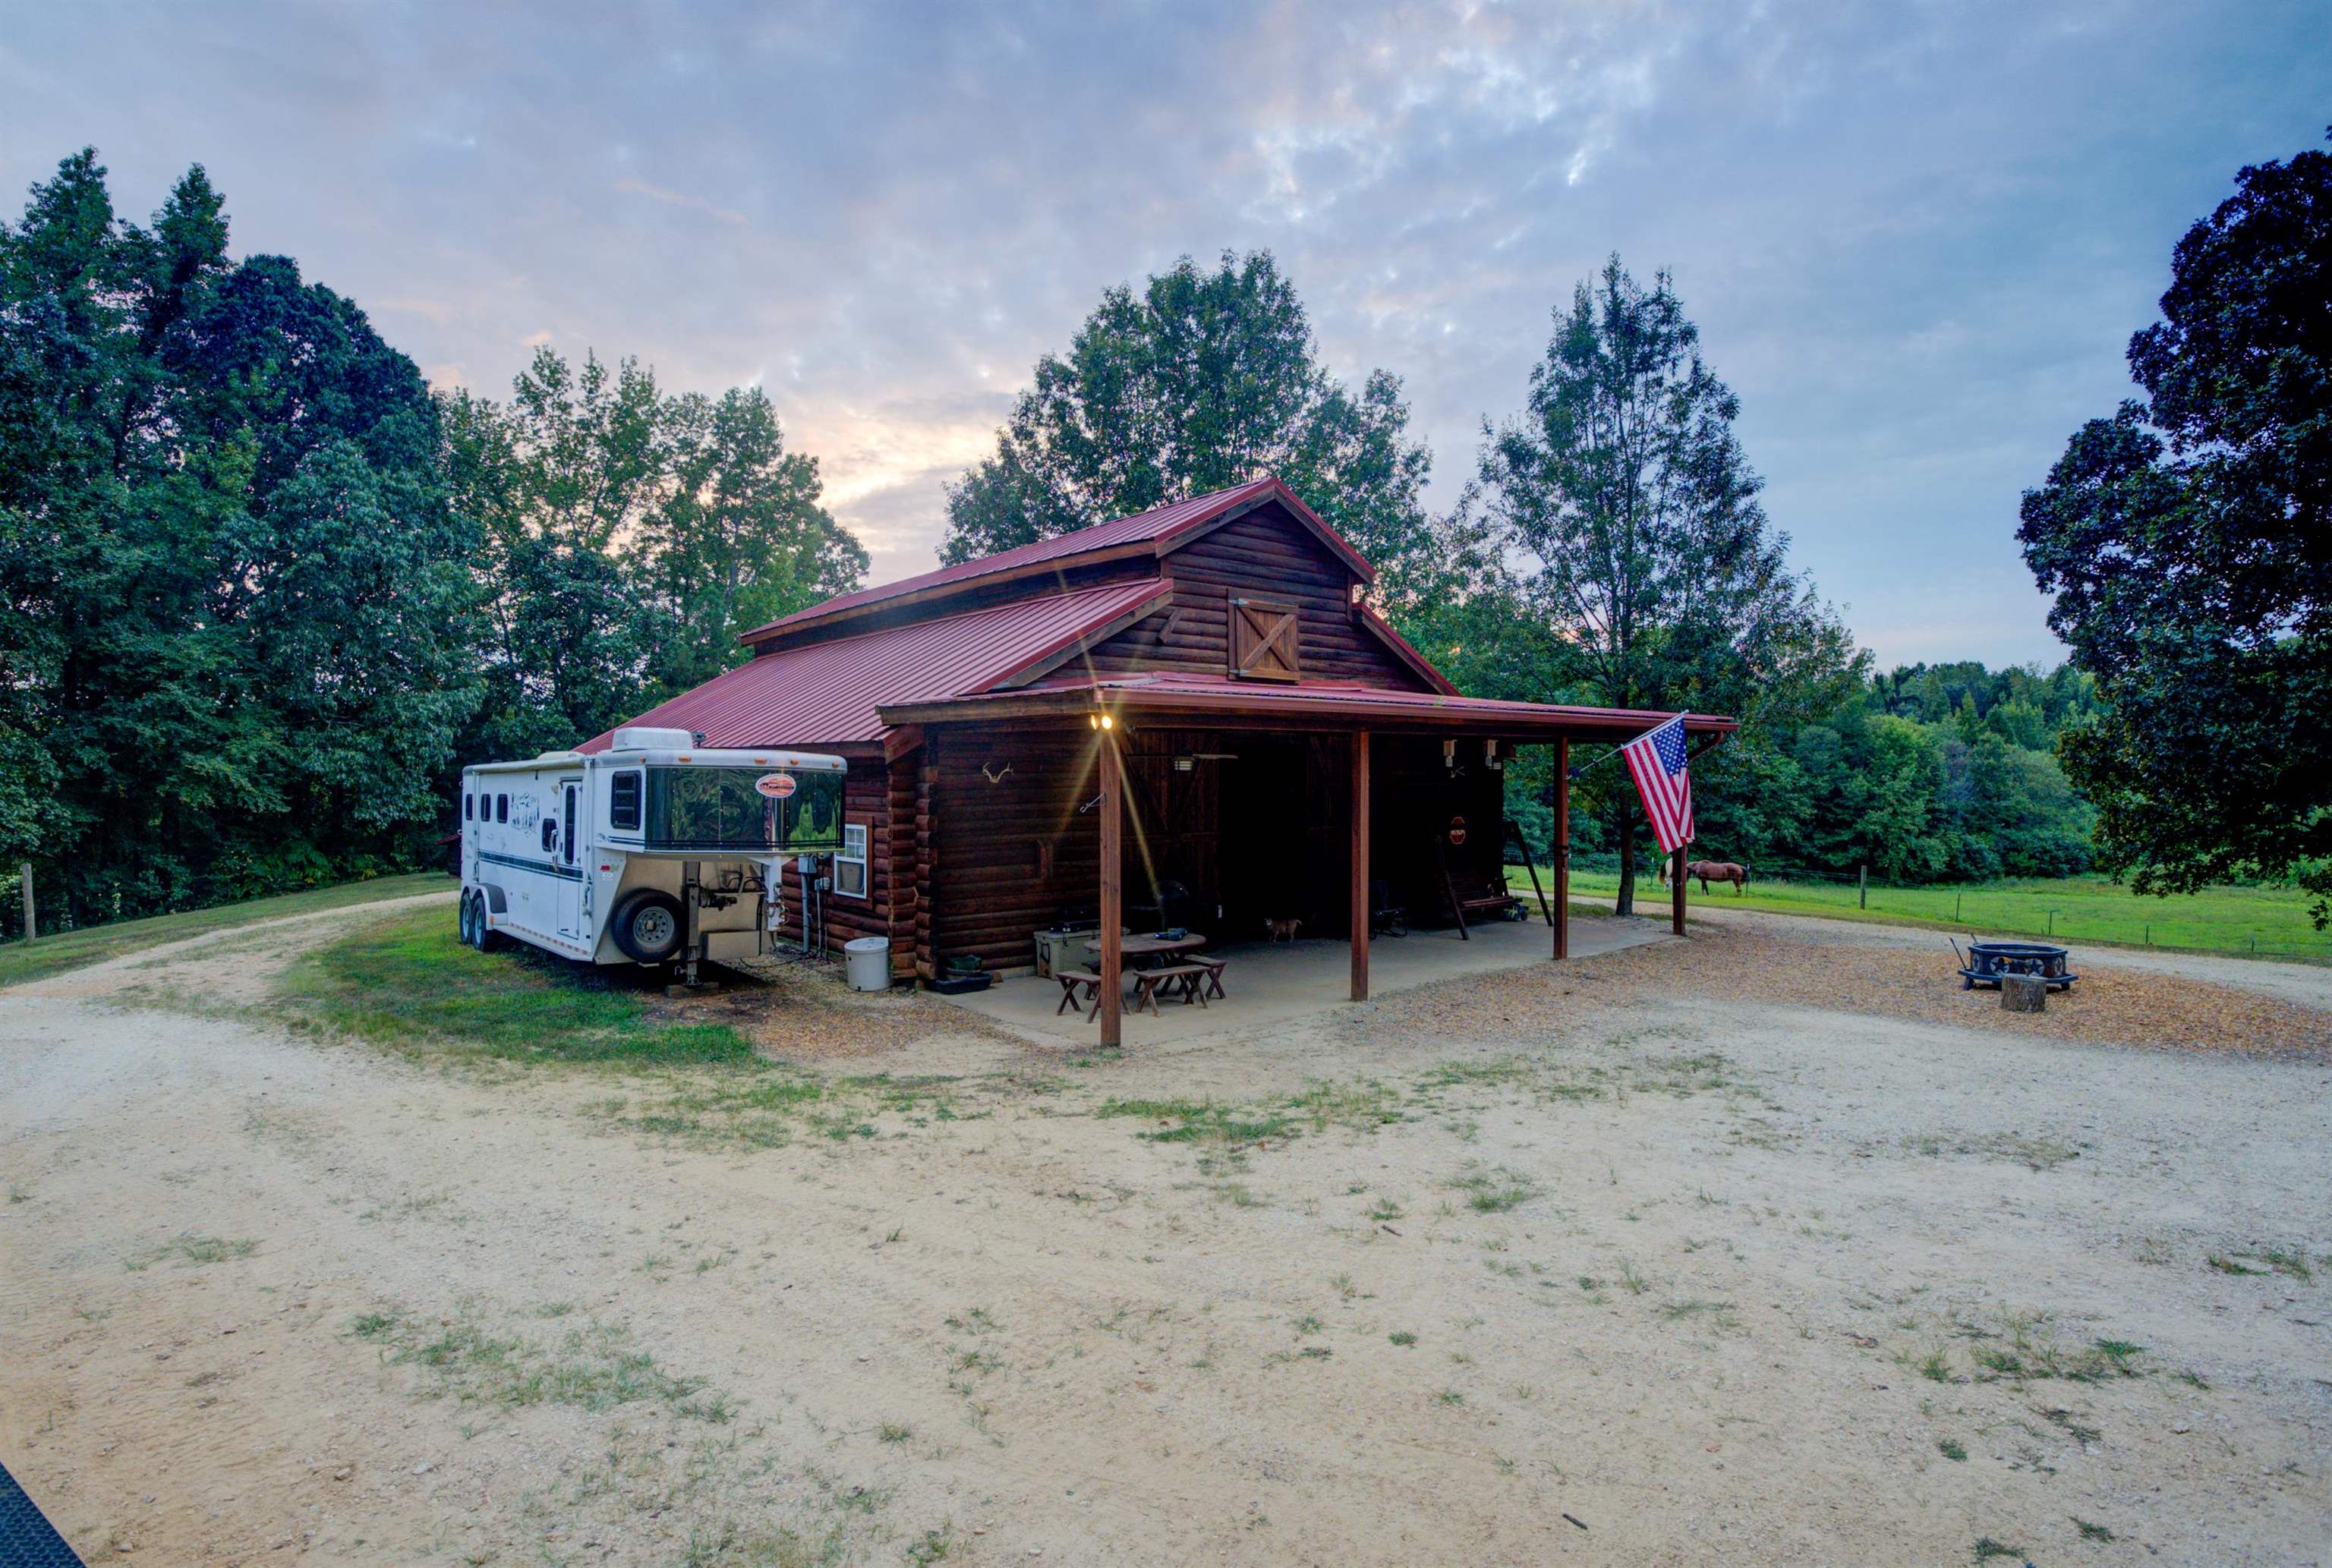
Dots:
pixel 1679 1256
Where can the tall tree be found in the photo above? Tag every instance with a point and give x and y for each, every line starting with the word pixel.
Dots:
pixel 1201 380
pixel 234 651
pixel 630 538
pixel 1625 501
pixel 2188 540
pixel 740 537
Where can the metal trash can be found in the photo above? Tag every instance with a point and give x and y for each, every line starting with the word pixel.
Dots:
pixel 868 962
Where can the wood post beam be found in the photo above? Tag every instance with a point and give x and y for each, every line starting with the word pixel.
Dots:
pixel 1676 892
pixel 1561 868
pixel 1113 893
pixel 1359 859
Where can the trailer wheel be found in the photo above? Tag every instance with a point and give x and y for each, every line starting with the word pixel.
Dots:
pixel 462 922
pixel 482 935
pixel 646 926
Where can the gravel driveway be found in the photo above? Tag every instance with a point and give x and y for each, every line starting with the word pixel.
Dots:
pixel 1615 1263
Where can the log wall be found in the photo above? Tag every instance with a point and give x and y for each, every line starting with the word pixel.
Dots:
pixel 1005 849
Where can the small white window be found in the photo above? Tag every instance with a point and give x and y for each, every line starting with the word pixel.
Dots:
pixel 850 862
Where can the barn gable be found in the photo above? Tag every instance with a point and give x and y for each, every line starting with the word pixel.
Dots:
pixel 1260 598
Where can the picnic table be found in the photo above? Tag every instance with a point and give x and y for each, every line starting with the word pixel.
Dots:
pixel 1149 946
pixel 1152 958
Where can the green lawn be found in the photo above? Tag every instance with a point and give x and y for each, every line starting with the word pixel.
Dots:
pixel 21 960
pixel 2268 922
pixel 406 980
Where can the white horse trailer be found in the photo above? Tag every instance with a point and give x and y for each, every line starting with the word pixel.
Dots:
pixel 654 851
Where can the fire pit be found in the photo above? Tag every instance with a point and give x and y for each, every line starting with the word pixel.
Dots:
pixel 1988 962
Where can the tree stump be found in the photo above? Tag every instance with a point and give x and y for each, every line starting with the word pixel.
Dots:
pixel 2024 993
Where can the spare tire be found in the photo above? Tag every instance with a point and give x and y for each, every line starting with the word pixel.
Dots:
pixel 646 926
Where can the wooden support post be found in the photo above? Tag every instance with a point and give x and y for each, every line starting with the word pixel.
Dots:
pixel 1561 868
pixel 1360 866
pixel 1675 893
pixel 1112 896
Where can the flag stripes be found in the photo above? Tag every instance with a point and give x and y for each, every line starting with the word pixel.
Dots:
pixel 1657 760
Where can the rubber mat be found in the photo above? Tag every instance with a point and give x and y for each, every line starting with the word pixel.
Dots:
pixel 27 1539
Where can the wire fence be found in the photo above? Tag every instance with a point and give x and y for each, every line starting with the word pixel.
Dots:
pixel 2266 923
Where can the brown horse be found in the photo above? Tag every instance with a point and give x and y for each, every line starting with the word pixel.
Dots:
pixel 1709 871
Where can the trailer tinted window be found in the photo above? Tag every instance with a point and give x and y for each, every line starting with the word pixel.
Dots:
pixel 724 808
pixel 469 807
pixel 623 802
pixel 501 808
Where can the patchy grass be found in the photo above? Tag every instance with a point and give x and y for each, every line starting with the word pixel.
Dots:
pixel 2022 1348
pixel 71 949
pixel 1494 1193
pixel 405 981
pixel 2034 1153
pixel 1201 1122
pixel 191 1251
pixel 1952 1449
pixel 592 1368
pixel 766 1108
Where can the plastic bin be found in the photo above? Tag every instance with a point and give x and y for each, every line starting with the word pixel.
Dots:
pixel 866 960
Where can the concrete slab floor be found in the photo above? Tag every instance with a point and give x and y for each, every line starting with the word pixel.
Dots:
pixel 1274 982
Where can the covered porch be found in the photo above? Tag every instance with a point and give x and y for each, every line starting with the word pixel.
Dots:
pixel 1271 983
pixel 1234 808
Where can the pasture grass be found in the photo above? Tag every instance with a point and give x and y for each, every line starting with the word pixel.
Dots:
pixel 71 949
pixel 2266 922
pixel 408 980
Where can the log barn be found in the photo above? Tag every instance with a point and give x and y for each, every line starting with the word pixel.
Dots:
pixel 1191 716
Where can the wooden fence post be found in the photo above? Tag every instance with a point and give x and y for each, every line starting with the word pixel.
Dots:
pixel 1862 886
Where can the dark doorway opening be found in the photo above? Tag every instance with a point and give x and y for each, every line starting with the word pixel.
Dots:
pixel 1263 865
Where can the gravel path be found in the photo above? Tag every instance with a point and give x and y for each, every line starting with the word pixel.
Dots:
pixel 1723 1278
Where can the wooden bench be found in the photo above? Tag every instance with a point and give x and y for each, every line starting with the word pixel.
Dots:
pixel 1214 965
pixel 1187 980
pixel 1078 987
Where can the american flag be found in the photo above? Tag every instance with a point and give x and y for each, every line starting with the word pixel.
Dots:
pixel 1657 760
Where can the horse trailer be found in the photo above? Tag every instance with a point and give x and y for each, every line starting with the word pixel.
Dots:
pixel 655 851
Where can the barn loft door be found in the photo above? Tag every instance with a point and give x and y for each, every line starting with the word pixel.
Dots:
pixel 1263 640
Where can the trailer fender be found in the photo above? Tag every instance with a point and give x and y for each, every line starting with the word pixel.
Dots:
pixel 496 901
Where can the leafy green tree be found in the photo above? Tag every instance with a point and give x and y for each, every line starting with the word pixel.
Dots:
pixel 739 539
pixel 1201 380
pixel 629 537
pixel 234 653
pixel 1625 497
pixel 2188 542
pixel 555 480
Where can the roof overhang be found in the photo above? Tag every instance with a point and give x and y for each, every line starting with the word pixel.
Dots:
pixel 1316 706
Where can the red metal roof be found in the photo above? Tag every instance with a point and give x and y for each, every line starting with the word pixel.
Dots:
pixel 827 693
pixel 1202 694
pixel 1159 526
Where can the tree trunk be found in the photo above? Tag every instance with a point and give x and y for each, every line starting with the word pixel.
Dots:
pixel 1627 903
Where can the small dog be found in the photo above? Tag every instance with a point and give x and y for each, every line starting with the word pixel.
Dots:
pixel 1281 928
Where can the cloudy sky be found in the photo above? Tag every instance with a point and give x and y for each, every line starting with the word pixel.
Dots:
pixel 1916 237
